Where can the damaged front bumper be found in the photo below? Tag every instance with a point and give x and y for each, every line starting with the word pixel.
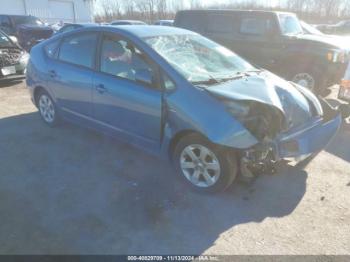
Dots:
pixel 295 145
pixel 309 139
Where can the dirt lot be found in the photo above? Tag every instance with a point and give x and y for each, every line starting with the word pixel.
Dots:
pixel 72 191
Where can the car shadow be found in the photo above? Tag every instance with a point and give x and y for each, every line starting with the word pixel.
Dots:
pixel 10 83
pixel 68 190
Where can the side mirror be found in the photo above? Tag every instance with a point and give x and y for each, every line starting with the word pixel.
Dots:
pixel 144 76
pixel 13 39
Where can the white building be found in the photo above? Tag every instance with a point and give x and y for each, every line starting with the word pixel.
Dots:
pixel 50 10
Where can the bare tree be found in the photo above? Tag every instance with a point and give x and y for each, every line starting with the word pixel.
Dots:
pixel 149 10
pixel 112 9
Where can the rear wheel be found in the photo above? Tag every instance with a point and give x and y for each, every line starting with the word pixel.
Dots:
pixel 204 166
pixel 47 108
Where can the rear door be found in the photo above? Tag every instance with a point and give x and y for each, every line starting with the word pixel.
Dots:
pixel 70 74
pixel 121 104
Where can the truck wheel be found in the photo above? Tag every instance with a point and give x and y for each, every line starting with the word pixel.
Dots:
pixel 204 166
pixel 312 80
pixel 305 79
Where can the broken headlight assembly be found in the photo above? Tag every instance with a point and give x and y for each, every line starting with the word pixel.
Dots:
pixel 260 120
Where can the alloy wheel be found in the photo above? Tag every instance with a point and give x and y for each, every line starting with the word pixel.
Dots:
pixel 200 166
pixel 47 109
pixel 305 80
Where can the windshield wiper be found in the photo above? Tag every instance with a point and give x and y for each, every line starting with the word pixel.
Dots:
pixel 210 81
pixel 238 75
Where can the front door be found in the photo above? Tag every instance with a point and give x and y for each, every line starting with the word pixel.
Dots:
pixel 121 103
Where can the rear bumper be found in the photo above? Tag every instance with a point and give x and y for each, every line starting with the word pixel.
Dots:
pixel 309 139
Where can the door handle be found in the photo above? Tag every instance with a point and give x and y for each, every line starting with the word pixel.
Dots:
pixel 101 88
pixel 52 73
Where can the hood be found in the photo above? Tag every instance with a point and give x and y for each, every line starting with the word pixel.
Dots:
pixel 333 41
pixel 29 27
pixel 268 89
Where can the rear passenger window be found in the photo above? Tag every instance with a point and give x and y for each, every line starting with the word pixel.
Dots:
pixel 255 26
pixel 220 24
pixel 79 49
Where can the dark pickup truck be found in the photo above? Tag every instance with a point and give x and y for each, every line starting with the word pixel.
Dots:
pixel 29 30
pixel 274 41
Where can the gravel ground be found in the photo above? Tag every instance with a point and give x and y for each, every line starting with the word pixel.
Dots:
pixel 69 190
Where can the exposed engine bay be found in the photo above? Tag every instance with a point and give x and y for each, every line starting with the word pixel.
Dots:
pixel 265 123
pixel 275 112
pixel 10 56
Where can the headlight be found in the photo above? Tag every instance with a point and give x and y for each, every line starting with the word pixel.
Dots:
pixel 24 58
pixel 237 109
pixel 338 56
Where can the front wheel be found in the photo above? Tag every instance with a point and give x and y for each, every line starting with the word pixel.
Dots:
pixel 204 166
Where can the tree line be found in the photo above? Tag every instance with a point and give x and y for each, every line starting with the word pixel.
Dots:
pixel 313 11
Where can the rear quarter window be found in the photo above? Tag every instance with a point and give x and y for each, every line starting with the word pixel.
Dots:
pixel 51 48
pixel 79 49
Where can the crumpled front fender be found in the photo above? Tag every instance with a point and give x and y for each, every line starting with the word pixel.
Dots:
pixel 213 121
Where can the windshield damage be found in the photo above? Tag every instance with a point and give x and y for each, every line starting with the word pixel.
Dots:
pixel 199 60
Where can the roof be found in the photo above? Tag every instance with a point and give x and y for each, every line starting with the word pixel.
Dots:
pixel 143 31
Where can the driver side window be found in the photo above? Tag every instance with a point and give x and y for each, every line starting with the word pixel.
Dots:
pixel 122 59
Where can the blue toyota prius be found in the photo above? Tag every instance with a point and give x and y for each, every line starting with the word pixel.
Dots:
pixel 175 93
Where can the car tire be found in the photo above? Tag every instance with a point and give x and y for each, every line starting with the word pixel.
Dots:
pixel 204 166
pixel 312 80
pixel 47 108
